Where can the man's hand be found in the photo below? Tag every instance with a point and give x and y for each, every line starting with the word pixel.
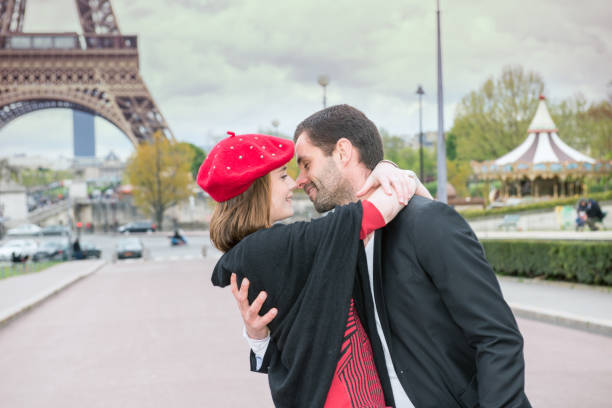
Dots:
pixel 256 326
pixel 389 177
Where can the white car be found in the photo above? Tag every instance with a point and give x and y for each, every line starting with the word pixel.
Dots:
pixel 25 230
pixel 19 247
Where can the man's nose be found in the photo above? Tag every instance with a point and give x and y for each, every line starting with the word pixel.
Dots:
pixel 301 180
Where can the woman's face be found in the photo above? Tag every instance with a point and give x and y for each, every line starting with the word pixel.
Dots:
pixel 281 186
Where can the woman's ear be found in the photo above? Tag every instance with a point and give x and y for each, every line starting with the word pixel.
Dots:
pixel 343 151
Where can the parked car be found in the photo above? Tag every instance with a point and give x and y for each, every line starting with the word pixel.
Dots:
pixel 137 226
pixel 88 250
pixel 25 230
pixel 129 248
pixel 53 250
pixel 17 248
pixel 56 230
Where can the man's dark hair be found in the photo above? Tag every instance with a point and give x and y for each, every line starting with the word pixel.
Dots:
pixel 327 126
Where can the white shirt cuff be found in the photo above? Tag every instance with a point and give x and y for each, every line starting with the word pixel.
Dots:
pixel 259 347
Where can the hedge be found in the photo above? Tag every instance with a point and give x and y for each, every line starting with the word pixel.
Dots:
pixel 540 205
pixel 579 261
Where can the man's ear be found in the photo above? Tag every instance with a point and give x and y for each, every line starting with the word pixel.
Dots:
pixel 343 151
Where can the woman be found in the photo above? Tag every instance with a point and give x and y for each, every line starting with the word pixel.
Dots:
pixel 308 269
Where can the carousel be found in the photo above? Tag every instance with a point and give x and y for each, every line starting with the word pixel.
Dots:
pixel 543 165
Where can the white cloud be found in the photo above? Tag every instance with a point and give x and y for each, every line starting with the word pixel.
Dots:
pixel 236 65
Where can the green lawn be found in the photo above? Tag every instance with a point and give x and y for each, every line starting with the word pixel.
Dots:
pixel 7 270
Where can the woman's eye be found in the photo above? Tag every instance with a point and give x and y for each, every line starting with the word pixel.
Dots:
pixel 284 176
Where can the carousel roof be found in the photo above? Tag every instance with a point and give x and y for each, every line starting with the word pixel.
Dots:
pixel 543 144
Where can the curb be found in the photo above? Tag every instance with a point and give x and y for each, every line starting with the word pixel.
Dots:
pixel 591 325
pixel 9 314
pixel 559 283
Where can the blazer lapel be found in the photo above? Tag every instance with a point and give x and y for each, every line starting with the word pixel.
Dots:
pixel 378 286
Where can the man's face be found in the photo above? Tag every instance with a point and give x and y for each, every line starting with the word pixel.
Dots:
pixel 320 176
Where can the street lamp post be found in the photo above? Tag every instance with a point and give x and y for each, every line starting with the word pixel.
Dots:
pixel 441 143
pixel 275 123
pixel 324 81
pixel 420 92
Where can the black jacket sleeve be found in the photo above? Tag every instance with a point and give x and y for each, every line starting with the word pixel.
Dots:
pixel 450 253
pixel 265 364
pixel 308 271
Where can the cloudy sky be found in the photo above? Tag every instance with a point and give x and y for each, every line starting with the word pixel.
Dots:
pixel 218 65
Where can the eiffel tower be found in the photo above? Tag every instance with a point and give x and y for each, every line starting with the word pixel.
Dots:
pixel 96 72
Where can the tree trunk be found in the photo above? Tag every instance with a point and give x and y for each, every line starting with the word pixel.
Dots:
pixel 159 217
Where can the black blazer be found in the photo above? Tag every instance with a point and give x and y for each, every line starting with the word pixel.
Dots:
pixel 452 337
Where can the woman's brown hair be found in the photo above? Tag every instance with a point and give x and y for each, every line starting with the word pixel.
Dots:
pixel 234 219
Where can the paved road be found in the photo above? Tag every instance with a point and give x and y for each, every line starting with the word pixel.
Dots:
pixel 157 245
pixel 156 334
pixel 149 334
pixel 566 367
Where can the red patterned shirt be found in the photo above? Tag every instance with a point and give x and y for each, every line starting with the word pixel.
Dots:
pixel 355 383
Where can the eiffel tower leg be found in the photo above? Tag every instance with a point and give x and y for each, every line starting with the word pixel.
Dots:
pixel 11 16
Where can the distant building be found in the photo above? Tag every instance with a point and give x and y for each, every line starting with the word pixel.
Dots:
pixel 429 140
pixel 13 201
pixel 84 137
pixel 100 171
pixel 22 160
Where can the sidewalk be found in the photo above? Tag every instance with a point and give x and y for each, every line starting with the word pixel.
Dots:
pixel 572 305
pixel 547 235
pixel 566 304
pixel 20 293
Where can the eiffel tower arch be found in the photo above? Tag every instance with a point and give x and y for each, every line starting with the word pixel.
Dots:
pixel 96 72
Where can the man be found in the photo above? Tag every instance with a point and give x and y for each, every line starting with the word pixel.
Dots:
pixel 589 212
pixel 441 333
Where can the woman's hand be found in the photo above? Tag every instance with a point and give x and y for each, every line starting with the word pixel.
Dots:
pixel 389 178
pixel 256 326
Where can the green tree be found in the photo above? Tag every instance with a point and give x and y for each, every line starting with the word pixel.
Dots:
pixel 160 172
pixel 571 120
pixel 459 173
pixel 8 171
pixel 393 147
pixel 451 146
pixel 585 127
pixel 199 155
pixel 600 118
pixel 493 120
pixel 40 176
pixel 405 157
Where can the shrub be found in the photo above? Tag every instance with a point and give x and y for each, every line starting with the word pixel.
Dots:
pixel 579 261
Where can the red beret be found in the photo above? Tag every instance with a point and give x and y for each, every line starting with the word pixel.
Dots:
pixel 237 161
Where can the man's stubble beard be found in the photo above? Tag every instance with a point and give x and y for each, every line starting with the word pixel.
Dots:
pixel 334 191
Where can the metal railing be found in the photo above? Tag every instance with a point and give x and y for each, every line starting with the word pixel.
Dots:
pixel 67 41
pixel 8 269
